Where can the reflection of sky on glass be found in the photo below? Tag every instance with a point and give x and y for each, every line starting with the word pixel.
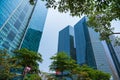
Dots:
pixel 39 16
pixel 55 22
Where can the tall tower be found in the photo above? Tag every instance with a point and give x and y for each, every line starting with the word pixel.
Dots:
pixel 83 44
pixel 66 41
pixel 89 48
pixel 15 16
pixel 34 32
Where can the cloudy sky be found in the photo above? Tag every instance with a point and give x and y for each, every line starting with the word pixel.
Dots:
pixel 55 22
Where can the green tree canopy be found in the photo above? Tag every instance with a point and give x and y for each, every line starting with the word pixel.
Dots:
pixel 28 58
pixel 6 64
pixel 91 74
pixel 62 62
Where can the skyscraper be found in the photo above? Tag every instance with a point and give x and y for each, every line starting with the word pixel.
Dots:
pixel 89 49
pixel 83 44
pixel 33 35
pixel 15 18
pixel 66 41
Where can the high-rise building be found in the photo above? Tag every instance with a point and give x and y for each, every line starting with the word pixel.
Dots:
pixel 34 32
pixel 115 54
pixel 89 49
pixel 83 44
pixel 15 20
pixel 66 41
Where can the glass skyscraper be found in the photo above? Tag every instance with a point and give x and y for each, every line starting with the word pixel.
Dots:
pixel 15 19
pixel 66 41
pixel 33 35
pixel 83 44
pixel 88 49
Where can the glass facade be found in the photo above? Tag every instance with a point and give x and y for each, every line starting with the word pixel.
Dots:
pixel 89 48
pixel 35 28
pixel 66 41
pixel 115 54
pixel 99 52
pixel 83 44
pixel 17 18
pixel 14 16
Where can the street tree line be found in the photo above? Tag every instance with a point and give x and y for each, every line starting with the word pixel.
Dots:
pixel 19 64
pixel 68 68
pixel 10 66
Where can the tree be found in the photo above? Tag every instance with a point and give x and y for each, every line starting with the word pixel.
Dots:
pixel 28 58
pixel 32 77
pixel 62 63
pixel 91 74
pixel 99 12
pixel 7 63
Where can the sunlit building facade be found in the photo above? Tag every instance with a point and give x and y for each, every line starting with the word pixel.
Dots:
pixel 15 17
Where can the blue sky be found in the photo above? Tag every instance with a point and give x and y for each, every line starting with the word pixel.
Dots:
pixel 55 22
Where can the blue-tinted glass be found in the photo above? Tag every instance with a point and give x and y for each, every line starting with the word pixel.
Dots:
pixel 5 30
pixel 11 36
pixel 26 8
pixel 6 45
pixel 31 41
pixel 6 9
pixel 22 16
pixel 35 27
pixel 1 39
pixel 7 26
pixel 66 42
pixel 17 24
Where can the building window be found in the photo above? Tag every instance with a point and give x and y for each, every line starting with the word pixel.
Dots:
pixel 6 45
pixel 22 16
pixel 11 36
pixel 26 8
pixel 17 24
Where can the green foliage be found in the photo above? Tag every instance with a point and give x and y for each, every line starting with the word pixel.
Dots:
pixel 6 63
pixel 28 58
pixel 32 77
pixel 63 62
pixel 91 74
pixel 31 2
